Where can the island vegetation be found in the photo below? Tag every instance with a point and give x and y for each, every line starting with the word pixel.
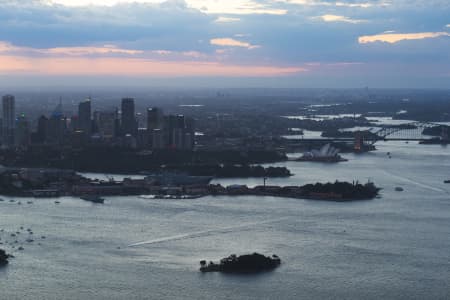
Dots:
pixel 4 257
pixel 341 190
pixel 248 263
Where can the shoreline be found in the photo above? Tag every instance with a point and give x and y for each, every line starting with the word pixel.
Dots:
pixel 55 183
pixel 293 192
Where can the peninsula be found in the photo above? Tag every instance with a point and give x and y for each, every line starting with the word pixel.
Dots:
pixel 32 182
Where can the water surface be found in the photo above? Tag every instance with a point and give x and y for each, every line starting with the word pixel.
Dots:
pixel 393 247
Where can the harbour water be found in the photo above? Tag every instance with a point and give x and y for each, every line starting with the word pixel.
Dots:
pixel 393 247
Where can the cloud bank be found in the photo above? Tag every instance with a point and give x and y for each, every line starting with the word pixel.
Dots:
pixel 247 38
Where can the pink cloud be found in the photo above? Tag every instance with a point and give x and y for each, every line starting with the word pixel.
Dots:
pixel 397 37
pixel 229 42
pixel 103 60
pixel 337 18
pixel 70 51
pixel 135 67
pixel 77 51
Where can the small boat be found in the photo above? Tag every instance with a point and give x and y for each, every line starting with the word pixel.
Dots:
pixel 447 181
pixel 399 189
pixel 93 198
pixel 57 202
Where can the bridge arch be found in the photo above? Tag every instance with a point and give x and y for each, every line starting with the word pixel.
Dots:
pixel 412 131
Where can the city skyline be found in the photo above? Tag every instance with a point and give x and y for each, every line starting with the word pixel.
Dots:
pixel 240 43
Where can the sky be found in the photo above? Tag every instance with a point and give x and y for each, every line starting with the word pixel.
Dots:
pixel 236 43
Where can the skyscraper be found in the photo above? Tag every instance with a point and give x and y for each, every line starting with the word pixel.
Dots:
pixel 175 131
pixel 178 132
pixel 106 122
pixel 189 137
pixel 22 132
pixel 8 121
pixel 42 129
pixel 170 122
pixel 84 116
pixel 128 118
pixel 155 118
pixel 57 126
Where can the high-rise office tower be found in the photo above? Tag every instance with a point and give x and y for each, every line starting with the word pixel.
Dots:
pixel 57 126
pixel 8 121
pixel 22 132
pixel 180 122
pixel 178 132
pixel 158 141
pixel 155 118
pixel 174 129
pixel 169 125
pixel 128 118
pixel 42 129
pixel 84 116
pixel 189 137
pixel 106 123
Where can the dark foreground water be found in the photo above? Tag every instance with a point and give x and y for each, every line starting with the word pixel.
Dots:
pixel 393 247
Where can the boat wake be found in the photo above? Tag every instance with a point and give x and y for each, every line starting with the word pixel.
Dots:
pixel 425 186
pixel 205 232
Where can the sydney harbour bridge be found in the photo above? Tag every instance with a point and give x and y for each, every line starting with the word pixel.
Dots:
pixel 413 131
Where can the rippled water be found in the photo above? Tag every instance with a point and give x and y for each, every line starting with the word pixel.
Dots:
pixel 395 247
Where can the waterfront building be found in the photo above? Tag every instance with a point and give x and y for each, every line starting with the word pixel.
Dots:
pixel 128 117
pixel 8 120
pixel 84 117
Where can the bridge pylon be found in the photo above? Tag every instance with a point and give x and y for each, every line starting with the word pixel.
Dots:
pixel 358 143
pixel 444 133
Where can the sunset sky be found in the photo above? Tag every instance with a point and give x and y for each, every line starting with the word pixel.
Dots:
pixel 277 43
